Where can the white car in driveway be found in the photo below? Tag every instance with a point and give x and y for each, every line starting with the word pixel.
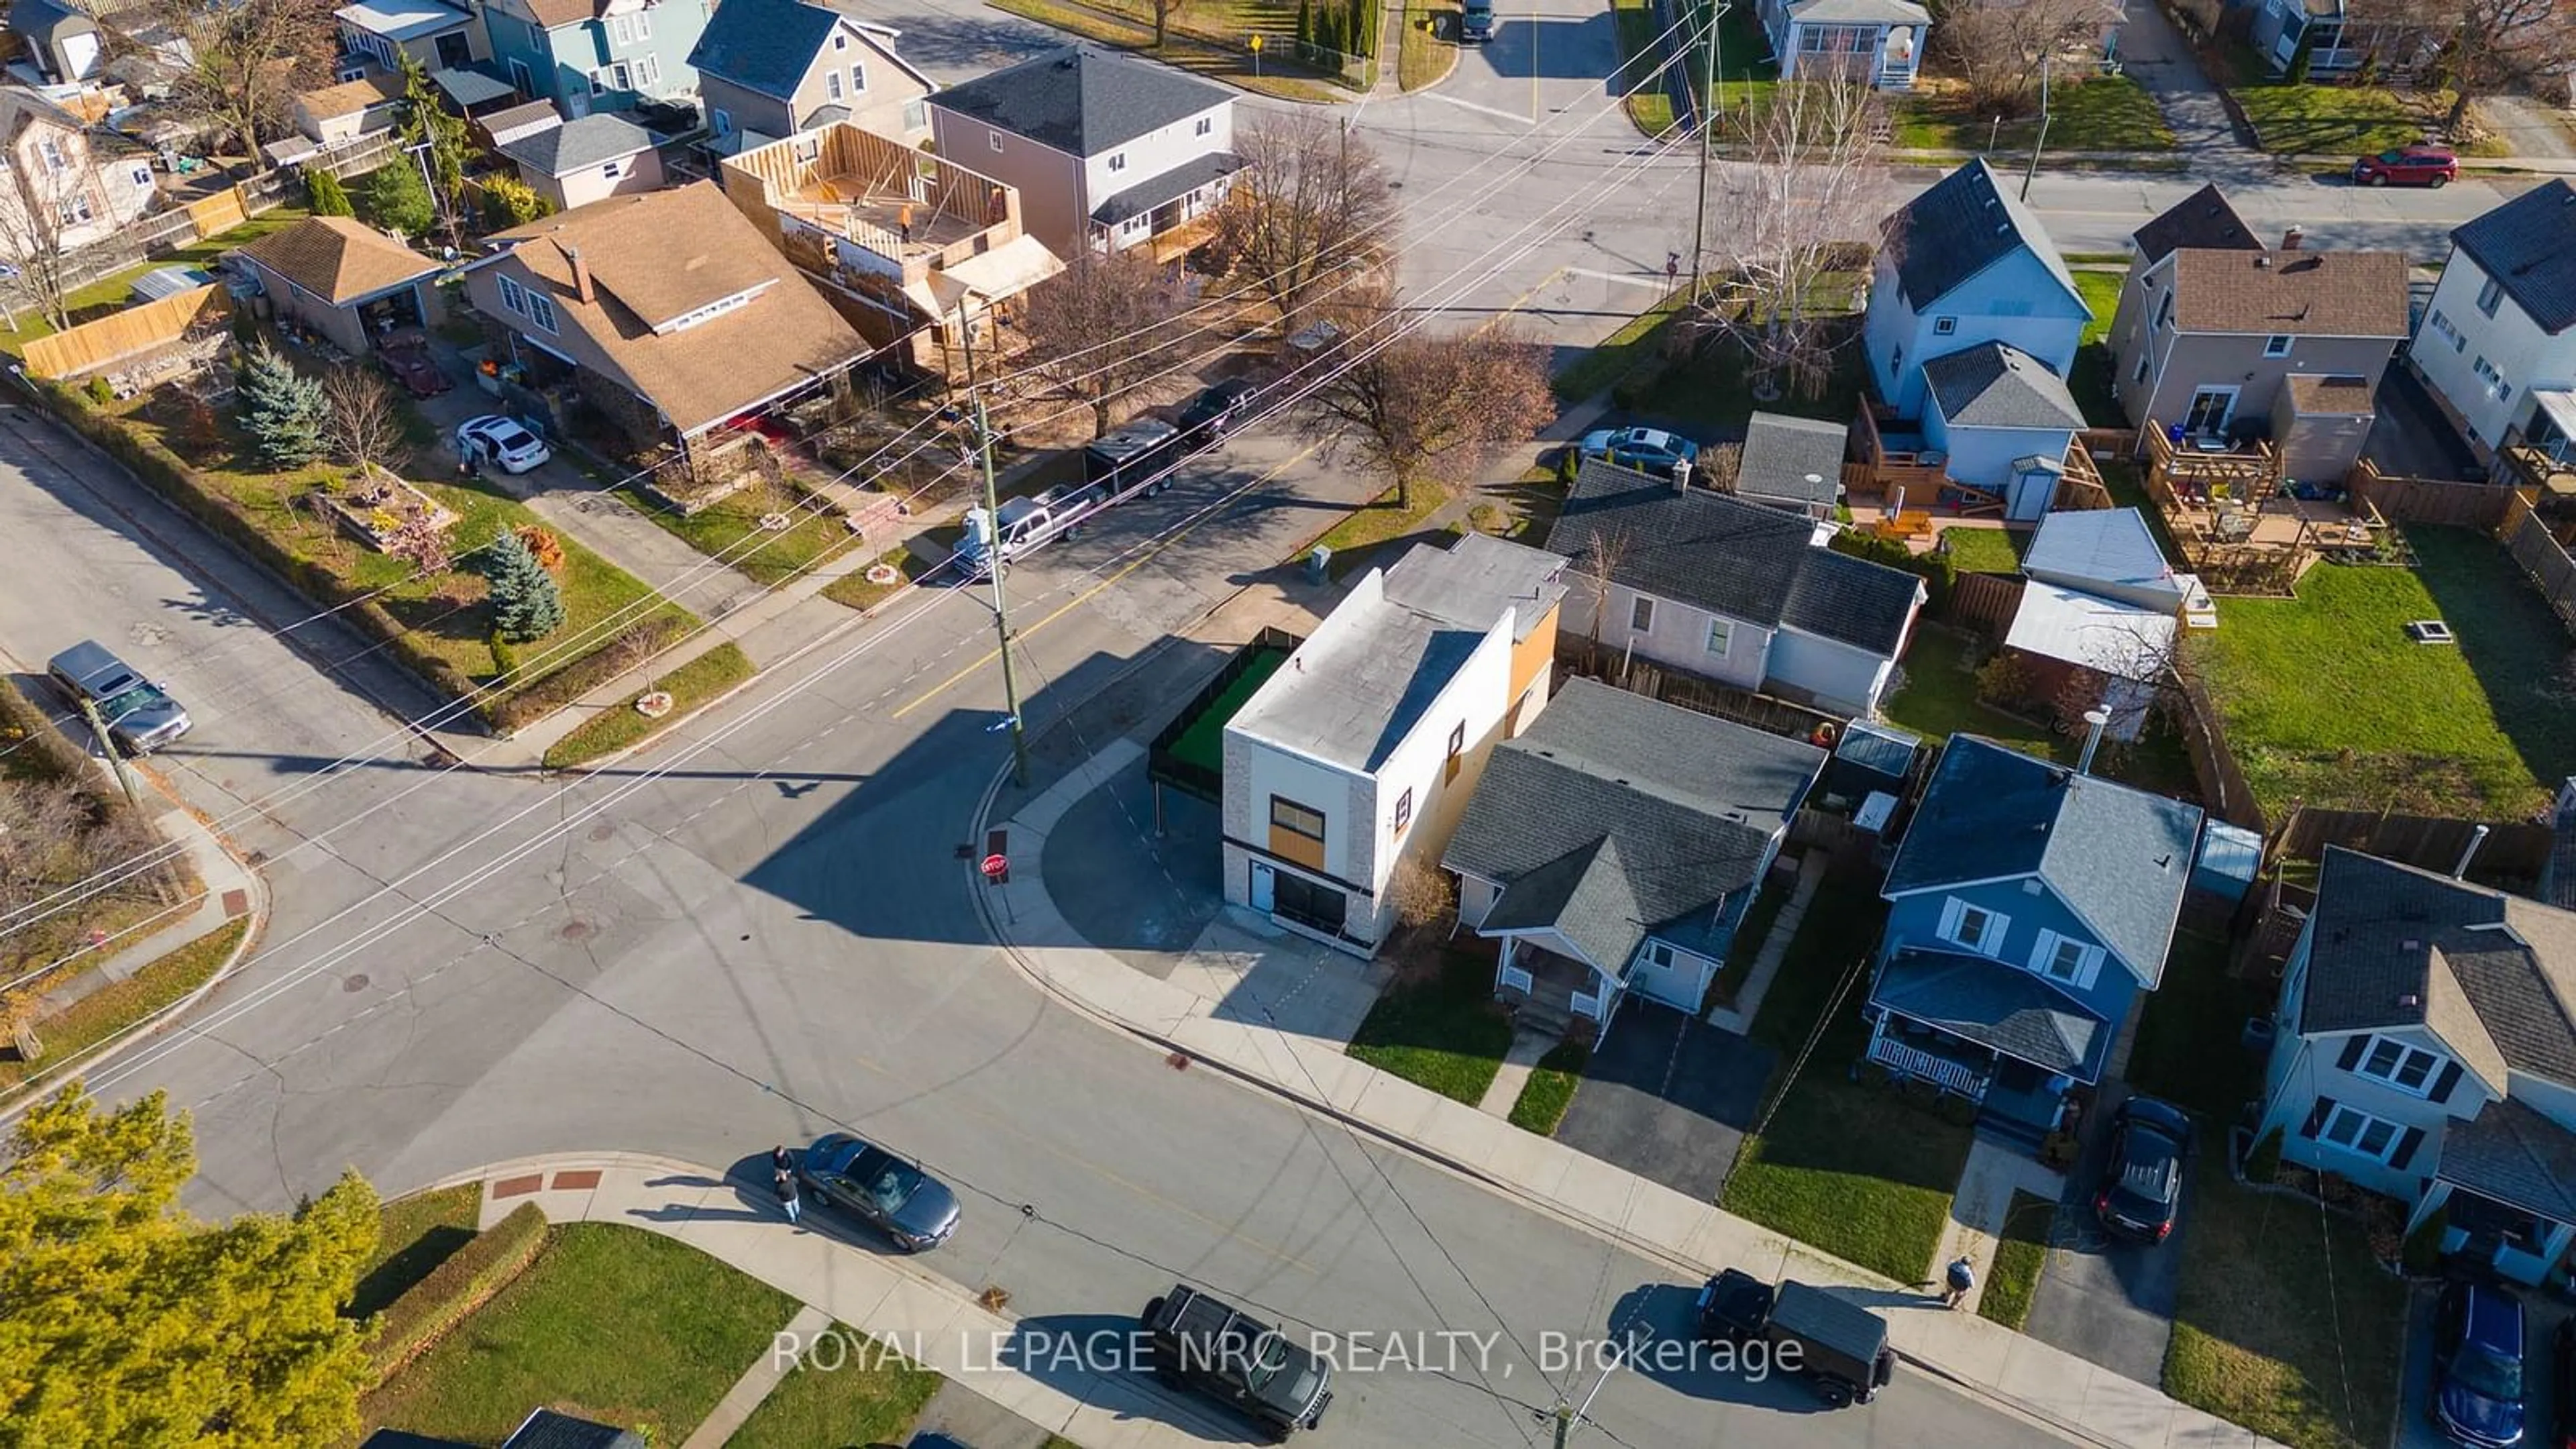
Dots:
pixel 501 442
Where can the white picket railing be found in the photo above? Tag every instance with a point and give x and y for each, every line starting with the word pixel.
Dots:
pixel 1590 1004
pixel 1896 1056
pixel 1514 978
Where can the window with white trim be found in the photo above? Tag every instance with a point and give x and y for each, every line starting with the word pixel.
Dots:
pixel 831 85
pixel 621 76
pixel 513 296
pixel 2361 1133
pixel 858 77
pixel 648 71
pixel 2490 294
pixel 2409 1069
pixel 1403 811
pixel 2065 959
pixel 1206 125
pixel 1721 633
pixel 1117 160
pixel 55 160
pixel 1973 927
pixel 1641 615
pixel 541 310
pixel 1944 326
pixel 2277 345
pixel 75 209
pixel 993 139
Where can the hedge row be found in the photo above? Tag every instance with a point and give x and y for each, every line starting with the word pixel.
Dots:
pixel 185 487
pixel 455 1288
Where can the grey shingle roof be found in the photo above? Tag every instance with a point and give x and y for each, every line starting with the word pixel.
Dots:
pixel 1690 801
pixel 1963 224
pixel 546 1429
pixel 2203 221
pixel 2002 1006
pixel 470 87
pixel 1743 560
pixel 763 46
pixel 2529 244
pixel 1081 100
pixel 1997 385
pixel 2117 857
pixel 1587 895
pixel 2385 933
pixel 578 144
pixel 1781 453
pixel 1172 185
pixel 2515 1155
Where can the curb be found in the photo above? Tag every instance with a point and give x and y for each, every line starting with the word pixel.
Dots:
pixel 15 1099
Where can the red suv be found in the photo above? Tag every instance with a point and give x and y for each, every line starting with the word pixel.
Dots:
pixel 2408 166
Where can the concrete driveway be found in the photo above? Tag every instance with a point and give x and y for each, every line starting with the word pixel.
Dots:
pixel 1668 1097
pixel 2102 1298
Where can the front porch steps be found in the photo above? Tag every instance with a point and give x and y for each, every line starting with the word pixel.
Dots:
pixel 2010 1132
pixel 1544 1018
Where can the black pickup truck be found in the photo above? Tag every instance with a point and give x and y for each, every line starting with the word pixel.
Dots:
pixel 1199 1343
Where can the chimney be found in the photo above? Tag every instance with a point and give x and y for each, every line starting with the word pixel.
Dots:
pixel 580 273
pixel 2477 838
pixel 1681 475
pixel 2097 718
pixel 2294 238
pixel 2262 261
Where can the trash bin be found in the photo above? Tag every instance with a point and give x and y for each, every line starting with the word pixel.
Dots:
pixel 1319 562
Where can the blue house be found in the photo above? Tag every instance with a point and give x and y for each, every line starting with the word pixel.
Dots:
pixel 2030 908
pixel 596 55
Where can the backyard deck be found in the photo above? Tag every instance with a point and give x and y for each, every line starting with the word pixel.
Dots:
pixel 2240 531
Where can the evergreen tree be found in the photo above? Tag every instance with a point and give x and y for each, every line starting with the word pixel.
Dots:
pixel 329 197
pixel 525 602
pixel 395 198
pixel 281 409
pixel 125 1322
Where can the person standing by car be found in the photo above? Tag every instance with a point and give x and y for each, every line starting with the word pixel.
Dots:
pixel 783 1178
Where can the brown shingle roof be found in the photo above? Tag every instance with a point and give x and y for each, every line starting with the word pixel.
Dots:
pixel 2321 394
pixel 655 257
pixel 338 258
pixel 2308 293
pixel 551 13
pixel 352 96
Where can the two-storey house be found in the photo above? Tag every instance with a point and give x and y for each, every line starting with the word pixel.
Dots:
pixel 1359 752
pixel 1612 849
pixel 1107 150
pixel 430 33
pixel 2497 345
pixel 2215 339
pixel 2030 907
pixel 768 69
pixel 82 183
pixel 1732 590
pixel 2425 1048
pixel 911 247
pixel 596 55
pixel 1966 263
pixel 1879 40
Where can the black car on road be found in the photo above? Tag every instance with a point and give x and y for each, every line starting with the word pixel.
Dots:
pixel 891 1195
pixel 1201 1343
pixel 2141 1187
pixel 1211 415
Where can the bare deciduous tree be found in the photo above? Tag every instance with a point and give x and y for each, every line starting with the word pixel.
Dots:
pixel 249 58
pixel 1421 893
pixel 1097 331
pixel 360 420
pixel 1311 201
pixel 1719 465
pixel 1422 406
pixel 41 207
pixel 1817 190
pixel 1165 12
pixel 2000 45
pixel 2482 47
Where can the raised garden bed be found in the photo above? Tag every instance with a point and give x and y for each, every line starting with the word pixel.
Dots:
pixel 377 506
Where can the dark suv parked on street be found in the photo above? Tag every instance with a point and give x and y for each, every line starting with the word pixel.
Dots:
pixel 1202 1344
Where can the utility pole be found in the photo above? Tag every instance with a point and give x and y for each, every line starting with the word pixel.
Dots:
pixel 1708 111
pixel 1566 1415
pixel 107 747
pixel 2039 142
pixel 993 519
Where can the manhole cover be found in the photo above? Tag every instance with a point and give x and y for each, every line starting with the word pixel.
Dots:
pixel 602 831
pixel 353 983
pixel 577 929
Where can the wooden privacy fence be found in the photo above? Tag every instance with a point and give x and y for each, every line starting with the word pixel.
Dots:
pixel 2482 506
pixel 112 339
pixel 1985 602
pixel 2224 790
pixel 2428 842
pixel 2545 560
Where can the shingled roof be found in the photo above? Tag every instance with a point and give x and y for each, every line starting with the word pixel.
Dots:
pixel 339 259
pixel 1961 225
pixel 1731 557
pixel 2529 245
pixel 1082 100
pixel 1997 385
pixel 2301 293
pixel 2202 220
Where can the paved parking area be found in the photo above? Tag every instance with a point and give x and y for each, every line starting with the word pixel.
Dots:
pixel 2103 1299
pixel 1668 1097
pixel 2542 1314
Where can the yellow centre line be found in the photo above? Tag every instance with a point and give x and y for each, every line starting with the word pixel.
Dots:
pixel 1078 600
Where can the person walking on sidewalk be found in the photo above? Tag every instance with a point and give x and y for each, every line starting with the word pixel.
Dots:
pixel 1962 1278
pixel 783 1178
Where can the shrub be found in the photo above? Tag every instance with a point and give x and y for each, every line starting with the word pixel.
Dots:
pixel 505 658
pixel 509 202
pixel 101 391
pixel 327 196
pixel 455 1288
pixel 2263 1164
pixel 543 543
pixel 281 409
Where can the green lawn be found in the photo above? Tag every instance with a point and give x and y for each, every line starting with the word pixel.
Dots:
pixel 2020 1254
pixel 1713 388
pixel 1985 550
pixel 1429 50
pixel 1859 1172
pixel 1550 1088
pixel 2325 699
pixel 1650 107
pixel 853 590
pixel 1940 697
pixel 1621 353
pixel 1445 1033
pixel 2343 121
pixel 2099 113
pixel 420 1231
pixel 2285 1323
pixel 730 530
pixel 115 291
pixel 612 1323
pixel 2189 1050
pixel 1357 540
pixel 1203 743
pixel 81 1027
pixel 691 686
pixel 1746 76
pixel 850 1389
pixel 2090 378
pixel 1208 39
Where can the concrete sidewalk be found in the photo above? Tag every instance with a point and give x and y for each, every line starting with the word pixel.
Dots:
pixel 1692 1236
pixel 877 1292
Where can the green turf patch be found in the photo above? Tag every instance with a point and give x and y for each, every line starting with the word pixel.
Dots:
pixel 1550 1088
pixel 2344 121
pixel 2019 1255
pixel 848 1389
pixel 1445 1033
pixel 691 686
pixel 2090 378
pixel 729 530
pixel 1358 540
pixel 2098 113
pixel 86 1024
pixel 1203 743
pixel 1984 550
pixel 115 291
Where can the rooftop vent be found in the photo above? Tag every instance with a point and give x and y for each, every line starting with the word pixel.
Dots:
pixel 2409 999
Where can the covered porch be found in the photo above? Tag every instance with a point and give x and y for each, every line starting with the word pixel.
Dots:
pixel 1553 992
pixel 1992 1033
pixel 2506 1191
